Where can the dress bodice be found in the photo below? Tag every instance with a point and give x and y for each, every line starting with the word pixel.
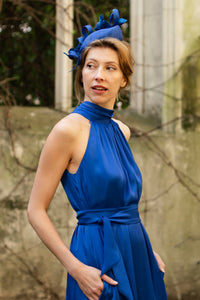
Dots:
pixel 108 176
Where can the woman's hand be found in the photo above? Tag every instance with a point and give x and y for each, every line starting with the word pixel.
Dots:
pixel 90 281
pixel 160 262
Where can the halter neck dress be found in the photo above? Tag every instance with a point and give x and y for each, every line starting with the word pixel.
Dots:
pixel 105 192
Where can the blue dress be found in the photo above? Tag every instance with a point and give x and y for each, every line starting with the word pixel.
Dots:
pixel 105 192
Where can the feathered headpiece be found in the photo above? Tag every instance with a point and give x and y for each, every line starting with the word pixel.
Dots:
pixel 103 29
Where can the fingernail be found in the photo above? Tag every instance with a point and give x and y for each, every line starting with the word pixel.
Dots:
pixel 162 270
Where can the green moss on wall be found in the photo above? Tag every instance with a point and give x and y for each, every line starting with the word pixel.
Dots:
pixel 191 68
pixel 189 93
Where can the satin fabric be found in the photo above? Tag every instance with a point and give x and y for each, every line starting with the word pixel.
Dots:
pixel 105 192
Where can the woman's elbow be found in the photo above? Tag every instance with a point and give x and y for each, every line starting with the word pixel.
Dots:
pixel 35 213
pixel 30 213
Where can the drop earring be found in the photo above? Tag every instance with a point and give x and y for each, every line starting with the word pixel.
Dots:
pixel 117 98
pixel 118 102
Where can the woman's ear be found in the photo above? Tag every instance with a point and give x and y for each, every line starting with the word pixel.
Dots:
pixel 123 83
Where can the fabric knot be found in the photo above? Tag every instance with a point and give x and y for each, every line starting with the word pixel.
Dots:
pixel 101 220
pixel 114 20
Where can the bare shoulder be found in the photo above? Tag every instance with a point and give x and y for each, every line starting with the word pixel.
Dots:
pixel 124 128
pixel 69 127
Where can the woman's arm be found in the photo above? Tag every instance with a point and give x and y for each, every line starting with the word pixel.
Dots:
pixel 55 157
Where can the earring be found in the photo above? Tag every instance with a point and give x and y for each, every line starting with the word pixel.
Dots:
pixel 117 99
pixel 118 102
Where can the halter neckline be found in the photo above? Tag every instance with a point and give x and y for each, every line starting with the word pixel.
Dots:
pixel 94 112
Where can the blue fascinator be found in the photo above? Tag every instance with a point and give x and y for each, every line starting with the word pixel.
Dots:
pixel 103 29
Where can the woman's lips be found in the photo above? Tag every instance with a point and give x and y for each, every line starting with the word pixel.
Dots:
pixel 98 89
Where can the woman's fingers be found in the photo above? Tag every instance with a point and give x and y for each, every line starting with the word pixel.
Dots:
pixel 89 281
pixel 109 280
pixel 160 262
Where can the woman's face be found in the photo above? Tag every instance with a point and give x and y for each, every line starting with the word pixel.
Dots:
pixel 102 76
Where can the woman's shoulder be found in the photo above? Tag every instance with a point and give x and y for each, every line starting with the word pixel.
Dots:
pixel 124 128
pixel 70 126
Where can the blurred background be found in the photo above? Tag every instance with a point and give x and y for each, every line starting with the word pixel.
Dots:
pixel 161 106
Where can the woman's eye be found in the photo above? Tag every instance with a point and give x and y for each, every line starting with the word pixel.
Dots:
pixel 90 66
pixel 111 68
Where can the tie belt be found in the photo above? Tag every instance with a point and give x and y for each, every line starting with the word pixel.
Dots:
pixel 122 215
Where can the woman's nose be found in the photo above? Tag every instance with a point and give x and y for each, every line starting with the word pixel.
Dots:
pixel 99 74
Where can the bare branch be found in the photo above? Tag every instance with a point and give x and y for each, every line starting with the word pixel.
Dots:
pixel 33 274
pixel 8 126
pixel 1 5
pixel 21 180
pixel 153 199
pixel 6 80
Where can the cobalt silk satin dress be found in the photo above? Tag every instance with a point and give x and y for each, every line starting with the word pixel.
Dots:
pixel 105 192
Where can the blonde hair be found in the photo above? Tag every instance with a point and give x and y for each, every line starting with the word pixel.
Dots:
pixel 126 61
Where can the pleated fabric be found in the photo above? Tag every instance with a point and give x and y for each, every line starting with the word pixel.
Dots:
pixel 105 192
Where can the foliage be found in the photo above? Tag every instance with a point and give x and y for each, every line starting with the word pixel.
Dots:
pixel 27 45
pixel 88 12
pixel 27 50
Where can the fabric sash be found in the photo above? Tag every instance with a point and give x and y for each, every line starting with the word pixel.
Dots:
pixel 105 217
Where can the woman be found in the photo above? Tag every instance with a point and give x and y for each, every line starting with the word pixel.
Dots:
pixel 110 255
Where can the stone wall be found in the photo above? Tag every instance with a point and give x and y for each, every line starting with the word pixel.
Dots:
pixel 165 43
pixel 169 206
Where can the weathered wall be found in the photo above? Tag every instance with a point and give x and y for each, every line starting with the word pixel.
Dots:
pixel 169 207
pixel 28 270
pixel 166 45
